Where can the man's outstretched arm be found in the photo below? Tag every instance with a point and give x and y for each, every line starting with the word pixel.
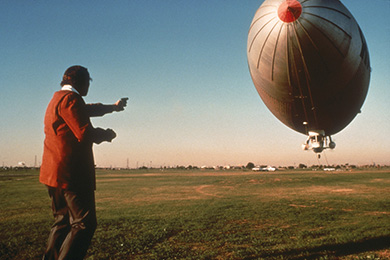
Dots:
pixel 100 109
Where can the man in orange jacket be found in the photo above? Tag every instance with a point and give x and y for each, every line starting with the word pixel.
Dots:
pixel 68 168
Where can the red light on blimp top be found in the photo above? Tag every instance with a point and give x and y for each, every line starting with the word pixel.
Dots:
pixel 289 11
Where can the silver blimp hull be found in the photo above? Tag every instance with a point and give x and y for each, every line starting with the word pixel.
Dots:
pixel 309 62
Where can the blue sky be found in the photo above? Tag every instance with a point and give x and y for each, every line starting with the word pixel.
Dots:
pixel 183 65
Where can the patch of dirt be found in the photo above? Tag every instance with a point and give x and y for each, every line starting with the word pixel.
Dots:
pixel 377 213
pixel 325 189
pixel 109 180
pixel 380 180
pixel 213 191
pixel 380 255
pixel 343 190
pixel 385 254
pixel 201 190
pixel 300 206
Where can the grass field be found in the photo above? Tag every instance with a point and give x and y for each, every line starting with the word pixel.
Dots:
pixel 212 215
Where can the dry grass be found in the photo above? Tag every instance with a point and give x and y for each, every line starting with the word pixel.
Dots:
pixel 213 215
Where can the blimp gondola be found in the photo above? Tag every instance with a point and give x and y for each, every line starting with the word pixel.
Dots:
pixel 310 64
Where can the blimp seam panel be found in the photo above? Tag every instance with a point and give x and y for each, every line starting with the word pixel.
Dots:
pixel 329 8
pixel 364 51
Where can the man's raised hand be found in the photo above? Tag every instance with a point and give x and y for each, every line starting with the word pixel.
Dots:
pixel 121 104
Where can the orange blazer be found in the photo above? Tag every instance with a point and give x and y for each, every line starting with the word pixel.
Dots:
pixel 67 155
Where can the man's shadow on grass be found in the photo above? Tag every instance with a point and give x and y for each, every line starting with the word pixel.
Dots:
pixel 364 245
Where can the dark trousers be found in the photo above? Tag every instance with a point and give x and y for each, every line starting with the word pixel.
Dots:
pixel 74 225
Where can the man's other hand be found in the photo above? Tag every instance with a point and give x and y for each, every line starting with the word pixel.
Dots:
pixel 110 134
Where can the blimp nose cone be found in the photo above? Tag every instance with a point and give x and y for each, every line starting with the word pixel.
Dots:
pixel 289 11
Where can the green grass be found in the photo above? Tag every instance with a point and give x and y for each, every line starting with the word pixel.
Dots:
pixel 212 215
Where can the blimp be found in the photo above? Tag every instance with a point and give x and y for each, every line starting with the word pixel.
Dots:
pixel 310 64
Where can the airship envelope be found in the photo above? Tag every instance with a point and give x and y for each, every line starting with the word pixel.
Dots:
pixel 309 62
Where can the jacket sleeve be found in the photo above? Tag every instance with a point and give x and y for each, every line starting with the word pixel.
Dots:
pixel 73 111
pixel 98 109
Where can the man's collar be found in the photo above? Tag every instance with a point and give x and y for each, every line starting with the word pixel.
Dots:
pixel 69 88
